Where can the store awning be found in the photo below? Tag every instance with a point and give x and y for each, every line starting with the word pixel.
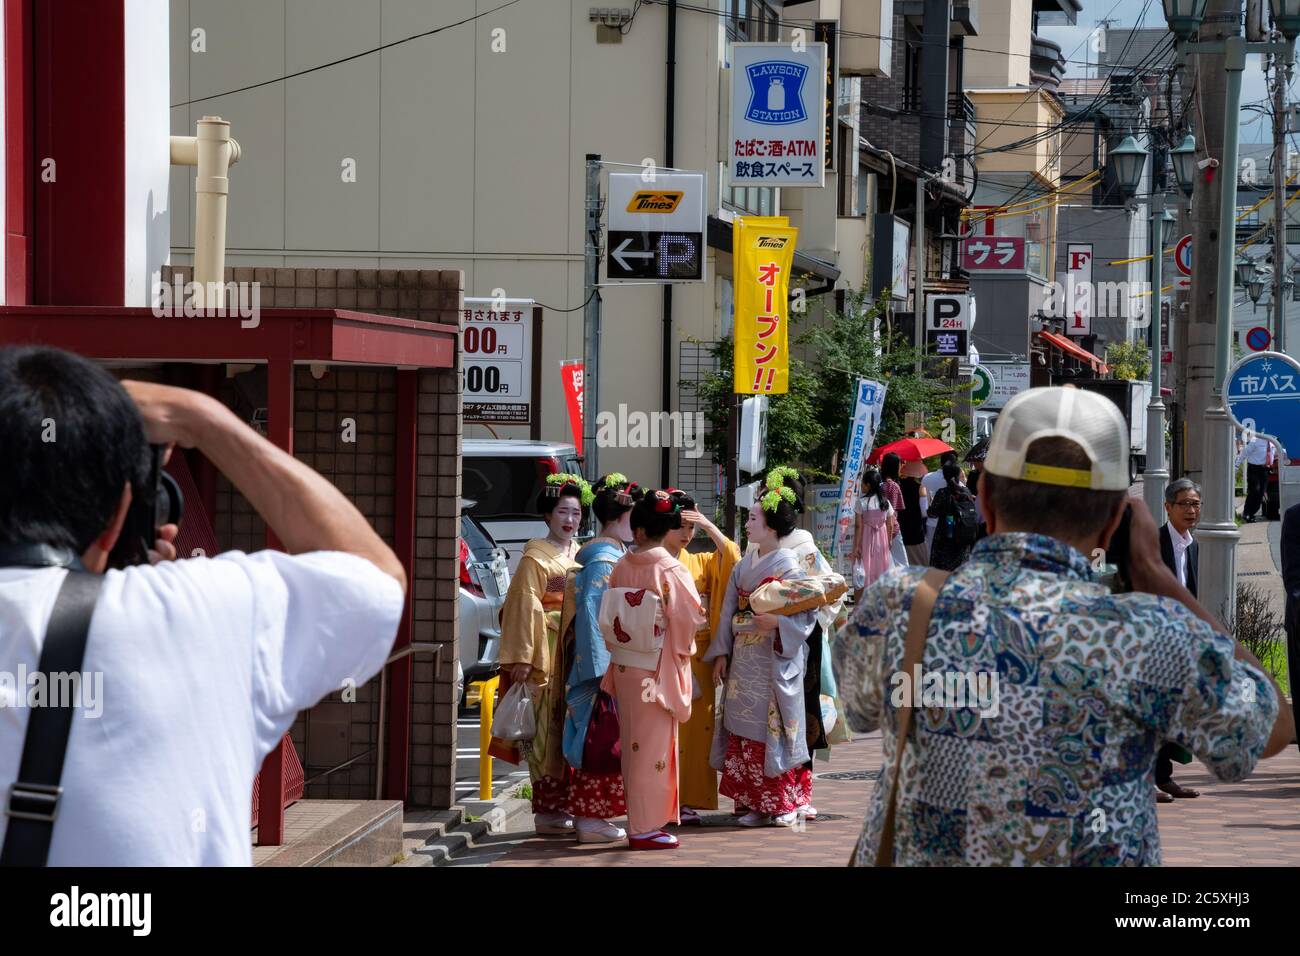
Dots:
pixel 719 237
pixel 1074 351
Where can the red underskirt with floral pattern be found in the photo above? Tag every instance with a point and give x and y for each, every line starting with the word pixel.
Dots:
pixel 743 780
pixel 581 794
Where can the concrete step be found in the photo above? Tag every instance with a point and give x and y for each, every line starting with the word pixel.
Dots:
pixel 336 833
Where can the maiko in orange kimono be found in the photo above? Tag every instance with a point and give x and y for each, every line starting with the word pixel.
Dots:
pixel 652 703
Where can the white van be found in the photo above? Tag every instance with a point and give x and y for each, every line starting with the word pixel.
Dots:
pixel 503 477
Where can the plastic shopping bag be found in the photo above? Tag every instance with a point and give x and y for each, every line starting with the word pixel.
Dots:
pixel 514 718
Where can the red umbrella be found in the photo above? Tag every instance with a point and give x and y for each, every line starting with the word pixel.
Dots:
pixel 910 449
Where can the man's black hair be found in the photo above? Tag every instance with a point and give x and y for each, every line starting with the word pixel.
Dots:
pixel 70 440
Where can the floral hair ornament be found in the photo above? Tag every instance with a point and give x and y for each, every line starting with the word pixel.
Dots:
pixel 663 503
pixel 555 485
pixel 617 482
pixel 777 490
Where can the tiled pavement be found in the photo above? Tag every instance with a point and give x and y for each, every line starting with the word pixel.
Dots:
pixel 1253 823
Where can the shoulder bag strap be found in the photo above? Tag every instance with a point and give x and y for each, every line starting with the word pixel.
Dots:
pixel 918 624
pixel 33 800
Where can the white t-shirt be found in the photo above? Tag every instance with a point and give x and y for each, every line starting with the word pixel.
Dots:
pixel 204 663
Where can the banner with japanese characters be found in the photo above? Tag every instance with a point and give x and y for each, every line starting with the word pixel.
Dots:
pixel 762 249
pixel 571 377
pixel 868 407
pixel 778 114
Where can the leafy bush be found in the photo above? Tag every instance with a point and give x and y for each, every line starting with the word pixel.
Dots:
pixel 1129 360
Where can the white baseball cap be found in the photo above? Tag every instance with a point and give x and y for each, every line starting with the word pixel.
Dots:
pixel 1088 419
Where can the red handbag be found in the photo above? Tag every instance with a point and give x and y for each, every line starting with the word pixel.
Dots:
pixel 602 751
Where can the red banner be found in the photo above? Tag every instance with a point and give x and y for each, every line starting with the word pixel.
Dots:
pixel 571 375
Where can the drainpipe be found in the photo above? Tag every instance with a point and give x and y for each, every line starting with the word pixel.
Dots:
pixel 670 120
pixel 213 152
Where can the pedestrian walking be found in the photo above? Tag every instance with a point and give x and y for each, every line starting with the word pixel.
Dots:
pixel 1258 456
pixel 591 734
pixel 649 618
pixel 890 467
pixel 1046 696
pixel 933 483
pixel 873 530
pixel 760 744
pixel 531 652
pixel 912 520
pixel 1180 553
pixel 958 522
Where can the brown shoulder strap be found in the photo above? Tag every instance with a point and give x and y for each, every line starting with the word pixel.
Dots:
pixel 918 624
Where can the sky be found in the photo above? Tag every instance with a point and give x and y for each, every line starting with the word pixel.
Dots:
pixel 1128 13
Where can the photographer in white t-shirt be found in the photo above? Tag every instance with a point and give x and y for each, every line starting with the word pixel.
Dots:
pixel 205 661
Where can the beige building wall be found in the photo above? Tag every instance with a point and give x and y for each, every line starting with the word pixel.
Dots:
pixel 1002 57
pixel 463 150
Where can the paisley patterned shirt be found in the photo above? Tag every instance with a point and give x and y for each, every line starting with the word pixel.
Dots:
pixel 1053 763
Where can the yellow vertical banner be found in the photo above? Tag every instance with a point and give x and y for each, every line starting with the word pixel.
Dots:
pixel 762 253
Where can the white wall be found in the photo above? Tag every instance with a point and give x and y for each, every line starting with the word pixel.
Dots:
pixel 148 226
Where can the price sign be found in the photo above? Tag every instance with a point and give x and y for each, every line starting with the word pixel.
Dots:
pixel 496 341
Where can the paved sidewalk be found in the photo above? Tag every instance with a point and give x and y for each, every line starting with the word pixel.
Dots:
pixel 1253 823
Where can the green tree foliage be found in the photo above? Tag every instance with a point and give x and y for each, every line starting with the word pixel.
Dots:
pixel 1129 360
pixel 808 425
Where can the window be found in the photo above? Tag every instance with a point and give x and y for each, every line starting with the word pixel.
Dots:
pixel 752 20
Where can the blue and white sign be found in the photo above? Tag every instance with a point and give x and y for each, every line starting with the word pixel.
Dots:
pixel 868 406
pixel 1263 398
pixel 778 114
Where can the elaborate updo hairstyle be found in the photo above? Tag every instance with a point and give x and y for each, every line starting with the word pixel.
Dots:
pixel 564 486
pixel 615 496
pixel 656 514
pixel 686 502
pixel 782 503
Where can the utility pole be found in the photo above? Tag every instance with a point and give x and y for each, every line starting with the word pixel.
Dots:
pixel 591 319
pixel 1279 203
pixel 918 234
pixel 1196 347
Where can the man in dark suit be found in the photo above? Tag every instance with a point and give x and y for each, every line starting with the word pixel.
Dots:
pixel 1291 582
pixel 1180 552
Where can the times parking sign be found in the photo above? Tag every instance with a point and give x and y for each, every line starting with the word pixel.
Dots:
pixel 656 227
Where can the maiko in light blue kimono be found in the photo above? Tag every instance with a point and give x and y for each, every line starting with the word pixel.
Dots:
pixel 589 654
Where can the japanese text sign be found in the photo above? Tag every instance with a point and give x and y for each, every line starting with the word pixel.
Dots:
pixel 762 256
pixel 778 114
pixel 993 252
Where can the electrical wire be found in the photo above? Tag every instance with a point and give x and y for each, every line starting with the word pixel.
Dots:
pixel 354 56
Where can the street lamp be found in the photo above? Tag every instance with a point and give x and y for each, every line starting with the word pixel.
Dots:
pixel 1184 17
pixel 1255 288
pixel 1286 17
pixel 1184 157
pixel 1129 159
pixel 1246 270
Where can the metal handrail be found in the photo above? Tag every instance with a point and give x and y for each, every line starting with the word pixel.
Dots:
pixel 415 647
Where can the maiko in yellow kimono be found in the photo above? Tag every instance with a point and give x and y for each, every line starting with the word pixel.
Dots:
pixel 710 570
pixel 530 631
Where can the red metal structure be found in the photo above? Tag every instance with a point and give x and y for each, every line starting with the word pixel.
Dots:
pixel 284 338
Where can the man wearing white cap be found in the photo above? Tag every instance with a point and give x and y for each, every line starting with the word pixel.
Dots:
pixel 1042 697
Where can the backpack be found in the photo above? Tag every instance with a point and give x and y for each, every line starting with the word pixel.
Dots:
pixel 962 523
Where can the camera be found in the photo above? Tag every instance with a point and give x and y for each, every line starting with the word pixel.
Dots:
pixel 156 500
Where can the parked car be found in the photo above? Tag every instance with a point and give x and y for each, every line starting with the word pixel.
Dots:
pixel 503 478
pixel 484 580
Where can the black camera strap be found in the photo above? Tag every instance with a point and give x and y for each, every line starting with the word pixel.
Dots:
pixel 32 804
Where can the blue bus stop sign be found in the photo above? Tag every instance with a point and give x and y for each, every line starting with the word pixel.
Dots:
pixel 1262 393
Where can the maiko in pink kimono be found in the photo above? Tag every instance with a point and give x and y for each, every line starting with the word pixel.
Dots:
pixel 649 617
